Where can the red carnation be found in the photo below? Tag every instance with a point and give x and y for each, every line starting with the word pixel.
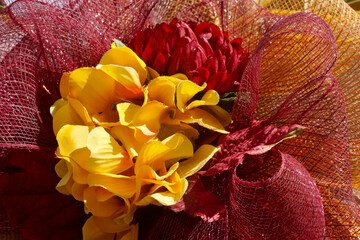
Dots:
pixel 201 51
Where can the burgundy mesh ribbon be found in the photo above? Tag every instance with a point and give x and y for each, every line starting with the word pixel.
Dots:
pixel 301 189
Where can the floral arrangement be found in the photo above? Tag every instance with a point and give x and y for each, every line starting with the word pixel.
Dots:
pixel 198 120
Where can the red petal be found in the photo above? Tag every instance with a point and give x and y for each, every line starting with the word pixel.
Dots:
pixel 201 28
pixel 160 63
pixel 212 65
pixel 216 80
pixel 236 43
pixel 206 45
pixel 229 84
pixel 176 62
pixel 255 140
pixel 199 76
pixel 232 62
pixel 149 53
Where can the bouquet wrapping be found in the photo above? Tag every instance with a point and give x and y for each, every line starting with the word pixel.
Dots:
pixel 288 167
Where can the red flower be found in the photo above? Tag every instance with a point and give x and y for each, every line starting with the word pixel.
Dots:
pixel 201 51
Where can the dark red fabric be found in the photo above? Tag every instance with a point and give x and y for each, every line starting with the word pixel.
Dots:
pixel 30 199
pixel 300 190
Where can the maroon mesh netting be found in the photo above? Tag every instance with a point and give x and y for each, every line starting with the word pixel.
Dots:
pixel 302 189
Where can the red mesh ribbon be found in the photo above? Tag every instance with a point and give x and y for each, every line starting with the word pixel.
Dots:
pixel 287 205
pixel 302 189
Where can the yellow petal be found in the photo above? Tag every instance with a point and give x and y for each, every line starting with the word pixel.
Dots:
pixel 108 225
pixel 171 170
pixel 61 186
pixel 104 208
pixel 181 145
pixel 162 90
pixel 174 80
pixel 81 156
pixel 65 115
pixel 80 111
pixel 204 119
pixel 178 147
pixel 146 120
pixel 56 106
pixel 146 172
pixel 211 97
pixel 61 168
pixel 93 88
pixel 103 194
pixel 73 113
pixel 71 138
pixel 69 185
pixel 164 198
pixel 150 115
pixel 77 191
pixel 127 112
pixel 185 91
pixel 122 186
pixel 107 156
pixel 200 158
pixel 80 175
pixel 143 133
pixel 126 76
pixel 128 216
pixel 106 119
pixel 149 175
pixel 124 56
pixel 220 114
pixel 180 76
pixel 167 130
pixel 92 232
pixel 162 186
pixel 152 73
pixel 126 136
pixel 132 234
pixel 151 152
pixel 178 186
pixel 64 85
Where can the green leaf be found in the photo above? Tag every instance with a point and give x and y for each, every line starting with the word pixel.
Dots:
pixel 119 43
pixel 227 100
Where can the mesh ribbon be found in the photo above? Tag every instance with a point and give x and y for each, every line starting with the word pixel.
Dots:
pixel 303 70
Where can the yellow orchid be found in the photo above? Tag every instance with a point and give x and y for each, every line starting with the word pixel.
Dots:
pixel 89 95
pixel 162 167
pixel 172 101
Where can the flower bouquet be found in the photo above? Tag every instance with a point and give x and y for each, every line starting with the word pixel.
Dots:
pixel 179 120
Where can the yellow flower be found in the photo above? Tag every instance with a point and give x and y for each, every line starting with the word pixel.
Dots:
pixel 91 169
pixel 97 228
pixel 125 144
pixel 172 101
pixel 162 167
pixel 89 95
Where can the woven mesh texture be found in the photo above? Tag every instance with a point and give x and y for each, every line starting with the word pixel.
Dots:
pixel 303 70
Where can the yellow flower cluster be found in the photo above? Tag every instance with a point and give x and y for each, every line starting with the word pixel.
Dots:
pixel 126 139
